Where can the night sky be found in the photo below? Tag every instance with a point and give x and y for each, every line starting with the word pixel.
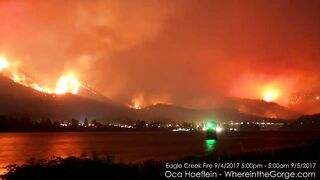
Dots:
pixel 182 52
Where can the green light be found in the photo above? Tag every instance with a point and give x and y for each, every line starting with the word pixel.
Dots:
pixel 211 125
pixel 210 146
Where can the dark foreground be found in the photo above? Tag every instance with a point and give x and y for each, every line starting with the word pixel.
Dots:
pixel 94 168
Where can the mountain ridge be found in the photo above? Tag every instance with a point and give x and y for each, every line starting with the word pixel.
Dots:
pixel 19 100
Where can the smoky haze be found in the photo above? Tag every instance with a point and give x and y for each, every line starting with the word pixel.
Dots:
pixel 188 53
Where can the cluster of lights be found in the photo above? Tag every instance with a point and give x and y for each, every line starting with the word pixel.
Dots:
pixel 211 126
pixel 233 129
pixel 64 124
pixel 79 124
pixel 258 123
pixel 182 129
pixel 126 126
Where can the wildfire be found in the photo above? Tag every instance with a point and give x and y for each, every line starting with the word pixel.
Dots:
pixel 3 63
pixel 42 89
pixel 17 78
pixel 21 78
pixel 67 84
pixel 137 102
pixel 270 95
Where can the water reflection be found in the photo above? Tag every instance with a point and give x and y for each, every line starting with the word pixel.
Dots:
pixel 17 148
pixel 210 146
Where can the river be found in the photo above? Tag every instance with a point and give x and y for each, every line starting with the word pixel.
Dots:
pixel 136 146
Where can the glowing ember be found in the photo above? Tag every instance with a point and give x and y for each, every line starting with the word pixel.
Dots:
pixel 270 95
pixel 3 63
pixel 67 84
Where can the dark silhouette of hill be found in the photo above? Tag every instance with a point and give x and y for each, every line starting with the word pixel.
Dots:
pixel 169 113
pixel 89 93
pixel 305 123
pixel 18 100
pixel 260 108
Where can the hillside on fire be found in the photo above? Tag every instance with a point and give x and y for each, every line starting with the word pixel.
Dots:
pixel 18 100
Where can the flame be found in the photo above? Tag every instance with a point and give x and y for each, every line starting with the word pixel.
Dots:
pixel 67 84
pixel 18 78
pixel 140 101
pixel 42 89
pixel 137 102
pixel 37 87
pixel 3 62
pixel 270 95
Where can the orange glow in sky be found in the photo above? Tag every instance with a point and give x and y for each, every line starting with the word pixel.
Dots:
pixel 235 49
pixel 268 88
